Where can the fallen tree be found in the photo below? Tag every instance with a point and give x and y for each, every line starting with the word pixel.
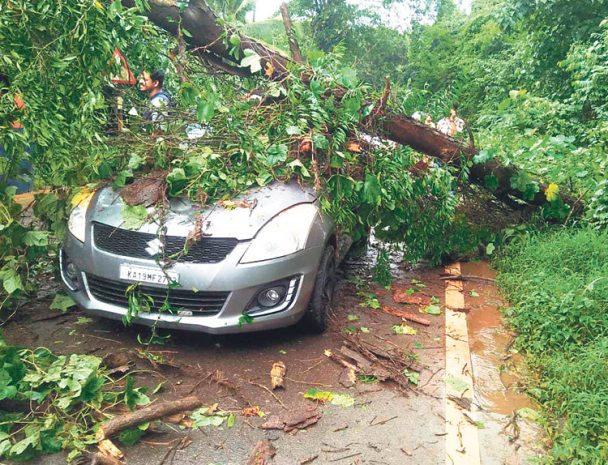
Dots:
pixel 221 45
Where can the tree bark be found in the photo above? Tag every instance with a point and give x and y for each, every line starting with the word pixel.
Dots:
pixel 149 413
pixel 296 54
pixel 211 38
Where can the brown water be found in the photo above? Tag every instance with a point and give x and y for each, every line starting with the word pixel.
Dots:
pixel 495 365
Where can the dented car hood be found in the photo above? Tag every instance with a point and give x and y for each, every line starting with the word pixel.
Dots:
pixel 240 218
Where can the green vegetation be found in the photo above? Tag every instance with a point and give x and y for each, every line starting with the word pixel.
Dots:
pixel 529 77
pixel 557 283
pixel 51 402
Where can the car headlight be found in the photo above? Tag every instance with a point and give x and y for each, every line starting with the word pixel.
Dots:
pixel 77 221
pixel 285 234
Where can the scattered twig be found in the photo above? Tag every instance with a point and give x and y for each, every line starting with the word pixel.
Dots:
pixel 310 459
pixel 346 457
pixel 253 383
pixel 461 277
pixel 382 422
pixel 432 376
pixel 314 366
pixel 310 383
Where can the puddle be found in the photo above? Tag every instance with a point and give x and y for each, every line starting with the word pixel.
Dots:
pixel 495 368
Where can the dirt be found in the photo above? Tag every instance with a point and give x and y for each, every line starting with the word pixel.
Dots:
pixel 387 424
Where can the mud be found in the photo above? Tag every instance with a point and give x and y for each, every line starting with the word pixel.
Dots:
pixel 497 367
pixel 386 425
pixel 507 436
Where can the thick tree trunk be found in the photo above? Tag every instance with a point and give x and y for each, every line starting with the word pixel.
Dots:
pixel 209 37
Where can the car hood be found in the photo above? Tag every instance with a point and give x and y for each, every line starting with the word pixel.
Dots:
pixel 241 218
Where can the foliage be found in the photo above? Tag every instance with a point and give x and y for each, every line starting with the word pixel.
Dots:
pixel 556 283
pixel 376 49
pixel 64 399
pixel 56 56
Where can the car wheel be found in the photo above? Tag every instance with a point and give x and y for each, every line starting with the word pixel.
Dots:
pixel 317 314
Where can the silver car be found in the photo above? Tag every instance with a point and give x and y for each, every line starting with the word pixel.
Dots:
pixel 266 260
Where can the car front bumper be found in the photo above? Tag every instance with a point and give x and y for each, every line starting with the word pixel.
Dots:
pixel 241 283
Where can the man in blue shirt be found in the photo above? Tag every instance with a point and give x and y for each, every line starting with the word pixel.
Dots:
pixel 152 84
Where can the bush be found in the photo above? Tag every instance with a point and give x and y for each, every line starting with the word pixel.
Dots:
pixel 557 283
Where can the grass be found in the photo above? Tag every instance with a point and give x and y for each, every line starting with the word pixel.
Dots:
pixel 557 284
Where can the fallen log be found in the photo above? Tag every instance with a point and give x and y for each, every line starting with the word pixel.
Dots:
pixel 149 413
pixel 210 36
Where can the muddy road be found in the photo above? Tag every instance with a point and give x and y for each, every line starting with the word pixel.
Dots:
pixel 400 405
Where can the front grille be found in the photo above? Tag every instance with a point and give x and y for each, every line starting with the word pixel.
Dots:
pixel 134 244
pixel 199 303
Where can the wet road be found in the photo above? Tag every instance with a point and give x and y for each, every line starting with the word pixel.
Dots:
pixel 387 424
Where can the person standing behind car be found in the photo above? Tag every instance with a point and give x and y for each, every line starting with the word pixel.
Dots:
pixel 15 162
pixel 152 84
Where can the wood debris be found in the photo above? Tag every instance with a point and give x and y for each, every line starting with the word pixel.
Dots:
pixel 403 297
pixel 148 413
pixel 348 377
pixel 277 375
pixel 253 411
pixel 366 359
pixel 146 191
pixel 406 315
pixel 288 422
pixel 109 451
pixel 262 453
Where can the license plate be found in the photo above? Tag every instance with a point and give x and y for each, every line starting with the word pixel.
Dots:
pixel 142 274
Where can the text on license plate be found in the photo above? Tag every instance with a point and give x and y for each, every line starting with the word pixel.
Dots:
pixel 143 274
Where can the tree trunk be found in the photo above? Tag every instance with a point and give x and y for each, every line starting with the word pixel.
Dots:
pixel 211 38
pixel 296 54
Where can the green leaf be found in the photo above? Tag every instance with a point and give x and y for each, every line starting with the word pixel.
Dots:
pixel 484 156
pixel 372 192
pixel 412 376
pixel 474 293
pixel 321 396
pixel 432 309
pixel 490 248
pixel 205 109
pixel 133 217
pixel 6 391
pixel 231 420
pixel 235 40
pixel 348 78
pixel 36 238
pixel 62 303
pixel 11 280
pixel 404 329
pixel 201 418
pixel 245 319
pixel 129 437
pixel 134 396
pixel 251 60
pixel 352 317
pixel 276 153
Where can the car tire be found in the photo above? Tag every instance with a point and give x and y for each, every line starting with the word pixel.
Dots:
pixel 316 317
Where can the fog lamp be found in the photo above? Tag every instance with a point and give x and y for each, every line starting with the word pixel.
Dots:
pixel 71 271
pixel 271 296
